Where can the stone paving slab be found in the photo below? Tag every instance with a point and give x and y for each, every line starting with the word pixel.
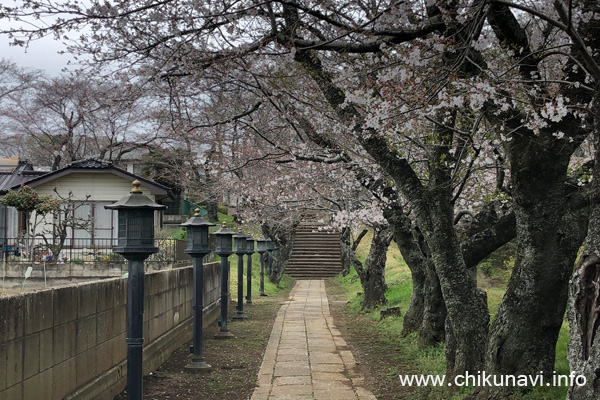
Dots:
pixel 306 357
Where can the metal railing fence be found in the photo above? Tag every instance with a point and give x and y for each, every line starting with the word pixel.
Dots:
pixel 84 250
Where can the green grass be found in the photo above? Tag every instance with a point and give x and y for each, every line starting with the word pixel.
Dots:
pixel 432 360
pixel 270 288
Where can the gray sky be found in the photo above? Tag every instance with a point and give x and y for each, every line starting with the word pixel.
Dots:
pixel 41 54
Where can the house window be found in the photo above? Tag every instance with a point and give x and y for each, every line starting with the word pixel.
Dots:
pixel 104 221
pixel 90 225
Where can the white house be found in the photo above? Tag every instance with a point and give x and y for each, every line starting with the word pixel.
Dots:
pixel 93 183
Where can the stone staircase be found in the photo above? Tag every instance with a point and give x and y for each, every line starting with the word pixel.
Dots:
pixel 316 254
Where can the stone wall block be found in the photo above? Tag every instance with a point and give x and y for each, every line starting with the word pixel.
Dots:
pixel 64 342
pixel 88 297
pixel 2 370
pixel 104 326
pixel 104 356
pixel 12 321
pixel 65 304
pixel 64 379
pixel 86 366
pixel 31 360
pixel 46 349
pixel 14 362
pixel 157 326
pixel 157 305
pixel 38 311
pixel 38 386
pixel 86 333
pixel 120 292
pixel 14 392
pixel 71 341
pixel 106 295
pixel 119 348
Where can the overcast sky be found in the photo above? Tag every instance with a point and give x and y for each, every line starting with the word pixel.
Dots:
pixel 41 54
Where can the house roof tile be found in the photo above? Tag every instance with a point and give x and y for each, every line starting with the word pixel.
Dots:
pixel 91 165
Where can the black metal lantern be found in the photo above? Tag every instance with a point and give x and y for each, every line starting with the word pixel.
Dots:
pixel 261 245
pixel 197 234
pixel 249 245
pixel 197 247
pixel 135 243
pixel 239 242
pixel 249 252
pixel 261 248
pixel 224 240
pixel 239 246
pixel 135 224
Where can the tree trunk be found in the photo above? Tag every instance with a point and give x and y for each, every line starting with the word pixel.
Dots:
pixel 584 302
pixel 348 248
pixel 346 251
pixel 283 237
pixel 432 329
pixel 212 210
pixel 524 333
pixel 426 313
pixel 466 305
pixel 372 275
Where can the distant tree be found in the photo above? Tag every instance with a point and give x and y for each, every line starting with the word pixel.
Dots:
pixel 68 118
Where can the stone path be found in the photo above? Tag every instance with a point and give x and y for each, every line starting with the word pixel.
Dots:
pixel 306 357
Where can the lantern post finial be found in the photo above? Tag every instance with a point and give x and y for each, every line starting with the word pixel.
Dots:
pixel 136 186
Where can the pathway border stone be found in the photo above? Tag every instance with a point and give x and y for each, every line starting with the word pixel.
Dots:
pixel 306 357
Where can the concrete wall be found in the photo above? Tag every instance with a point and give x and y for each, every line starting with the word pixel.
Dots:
pixel 69 342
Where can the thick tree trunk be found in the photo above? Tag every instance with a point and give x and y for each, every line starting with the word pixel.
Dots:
pixel 432 329
pixel 212 210
pixel 372 275
pixel 466 305
pixel 426 313
pixel 583 314
pixel 584 302
pixel 283 236
pixel 524 333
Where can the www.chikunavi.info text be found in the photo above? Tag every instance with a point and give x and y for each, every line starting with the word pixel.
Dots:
pixel 482 378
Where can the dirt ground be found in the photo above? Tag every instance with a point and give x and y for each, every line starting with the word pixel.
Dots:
pixel 379 362
pixel 236 362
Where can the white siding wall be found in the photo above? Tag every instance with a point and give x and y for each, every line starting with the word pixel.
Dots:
pixel 104 188
pixel 12 222
pixel 101 187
